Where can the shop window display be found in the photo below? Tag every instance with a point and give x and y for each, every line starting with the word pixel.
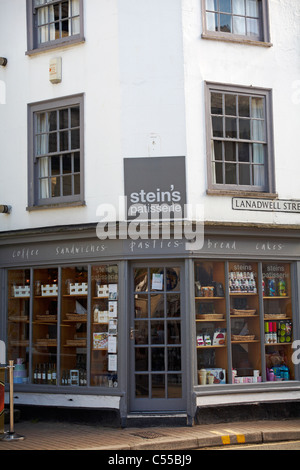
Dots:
pixel 243 308
pixel 62 325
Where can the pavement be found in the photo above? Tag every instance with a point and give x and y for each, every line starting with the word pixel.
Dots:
pixel 64 435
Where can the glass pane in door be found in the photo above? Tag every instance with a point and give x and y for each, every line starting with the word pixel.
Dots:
pixel 156 336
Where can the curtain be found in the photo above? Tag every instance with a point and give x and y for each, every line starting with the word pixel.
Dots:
pixel 42 149
pixel 74 21
pixel 46 29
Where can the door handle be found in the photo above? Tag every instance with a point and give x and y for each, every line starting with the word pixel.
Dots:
pixel 132 333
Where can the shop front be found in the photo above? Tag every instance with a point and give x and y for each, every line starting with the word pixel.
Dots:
pixel 151 326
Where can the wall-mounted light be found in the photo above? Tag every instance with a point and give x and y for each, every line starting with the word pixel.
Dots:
pixel 3 61
pixel 4 209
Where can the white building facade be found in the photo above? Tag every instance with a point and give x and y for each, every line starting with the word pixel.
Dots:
pixel 190 108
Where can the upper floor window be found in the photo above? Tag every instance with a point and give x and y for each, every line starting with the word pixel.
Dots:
pixel 241 20
pixel 239 138
pixel 56 152
pixel 54 22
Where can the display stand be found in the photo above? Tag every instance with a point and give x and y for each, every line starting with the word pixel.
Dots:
pixel 11 435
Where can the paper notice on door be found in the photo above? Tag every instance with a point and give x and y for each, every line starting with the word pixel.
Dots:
pixel 157 281
pixel 112 344
pixel 112 362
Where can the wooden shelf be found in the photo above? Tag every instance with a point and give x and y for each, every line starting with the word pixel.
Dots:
pixel 277 297
pixel 209 298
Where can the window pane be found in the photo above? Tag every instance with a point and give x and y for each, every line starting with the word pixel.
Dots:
pixel 140 280
pixel 67 185
pixel 158 358
pixel 55 12
pixel 75 117
pixel 230 173
pixel 52 120
pixel 55 187
pixel 43 167
pixel 253 27
pixel 75 7
pixel 230 105
pixel 218 173
pixel 75 139
pixel 64 10
pixel 42 144
pixel 64 141
pixel 212 21
pixel 174 358
pixel 252 8
pixel 259 175
pixel 142 386
pixel 44 188
pixel 258 130
pixel 239 25
pixel 230 151
pixel 173 279
pixel 67 164
pixel 53 142
pixel 225 23
pixel 157 332
pixel 173 332
pixel 217 123
pixel 158 386
pixel 257 108
pixel 244 174
pixel 244 106
pixel 157 305
pixel 55 166
pixel 76 184
pixel 173 305
pixel 65 28
pixel 230 129
pixel 238 7
pixel 258 153
pixel 212 5
pixel 244 129
pixel 217 155
pixel 244 152
pixel 75 26
pixel 76 163
pixel 216 103
pixel 225 6
pixel 141 359
pixel 174 386
pixel 64 118
pixel 141 306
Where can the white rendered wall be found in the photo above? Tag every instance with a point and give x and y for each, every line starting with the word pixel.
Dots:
pixel 142 69
pixel 278 68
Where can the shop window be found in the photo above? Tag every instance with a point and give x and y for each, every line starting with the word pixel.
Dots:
pixel 239 139
pixel 45 326
pixel 18 323
pixel 54 23
pixel 236 20
pixel 211 326
pixel 104 321
pixel 278 321
pixel 234 327
pixel 56 152
pixel 59 336
pixel 73 331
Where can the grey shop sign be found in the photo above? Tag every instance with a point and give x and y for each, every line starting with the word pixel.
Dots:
pixel 155 187
pixel 266 205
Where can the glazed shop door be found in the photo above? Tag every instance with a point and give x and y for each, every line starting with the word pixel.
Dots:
pixel 157 380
